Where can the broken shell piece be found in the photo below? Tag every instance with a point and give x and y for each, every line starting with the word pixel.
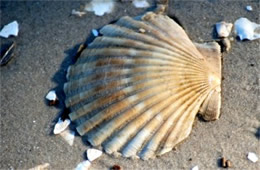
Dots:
pixel 225 163
pixel 93 154
pixel 52 98
pixel 140 3
pixel 246 29
pixel 7 53
pixel 225 45
pixel 10 29
pixel 141 30
pixel 195 167
pixel 85 165
pixel 95 32
pixel 77 13
pixel 252 157
pixel 61 126
pixel 100 7
pixel 249 8
pixel 68 135
pixel 41 167
pixel 223 29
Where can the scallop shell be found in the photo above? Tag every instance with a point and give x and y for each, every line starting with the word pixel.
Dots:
pixel 138 93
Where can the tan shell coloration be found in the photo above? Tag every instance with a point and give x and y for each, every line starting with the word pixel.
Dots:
pixel 138 93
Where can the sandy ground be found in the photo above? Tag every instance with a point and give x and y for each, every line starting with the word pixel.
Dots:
pixel 47 40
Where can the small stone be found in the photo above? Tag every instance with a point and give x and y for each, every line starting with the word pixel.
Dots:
pixel 95 32
pixel 61 126
pixel 195 167
pixel 93 154
pixel 52 98
pixel 223 29
pixel 141 30
pixel 249 8
pixel 116 167
pixel 252 157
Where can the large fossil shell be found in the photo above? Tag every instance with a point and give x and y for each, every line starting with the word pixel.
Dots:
pixel 137 89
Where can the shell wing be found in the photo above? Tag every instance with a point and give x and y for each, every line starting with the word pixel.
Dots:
pixel 137 89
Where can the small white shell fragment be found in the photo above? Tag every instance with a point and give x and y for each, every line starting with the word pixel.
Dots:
pixel 252 157
pixel 51 96
pixel 10 29
pixel 77 13
pixel 93 154
pixel 69 136
pixel 41 167
pixel 195 167
pixel 246 29
pixel 249 8
pixel 141 3
pixel 83 165
pixel 100 7
pixel 60 126
pixel 223 29
pixel 95 32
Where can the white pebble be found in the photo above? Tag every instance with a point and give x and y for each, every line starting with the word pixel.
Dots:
pixel 223 29
pixel 141 3
pixel 252 157
pixel 51 96
pixel 249 8
pixel 60 126
pixel 95 32
pixel 100 7
pixel 93 154
pixel 83 165
pixel 195 167
pixel 10 29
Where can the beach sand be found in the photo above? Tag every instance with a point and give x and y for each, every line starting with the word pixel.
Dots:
pixel 48 38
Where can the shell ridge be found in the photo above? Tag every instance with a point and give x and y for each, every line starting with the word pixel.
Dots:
pixel 82 96
pixel 153 145
pixel 184 121
pixel 151 27
pixel 122 132
pixel 105 130
pixel 167 25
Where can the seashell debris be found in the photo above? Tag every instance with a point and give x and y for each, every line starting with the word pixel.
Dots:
pixel 247 30
pixel 68 135
pixel 93 154
pixel 85 165
pixel 223 29
pixel 100 7
pixel 249 8
pixel 10 29
pixel 138 93
pixel 195 167
pixel 78 13
pixel 140 3
pixel 61 125
pixel 52 97
pixel 44 166
pixel 95 32
pixel 252 157
pixel 7 53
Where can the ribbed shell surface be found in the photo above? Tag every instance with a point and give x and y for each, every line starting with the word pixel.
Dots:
pixel 137 88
